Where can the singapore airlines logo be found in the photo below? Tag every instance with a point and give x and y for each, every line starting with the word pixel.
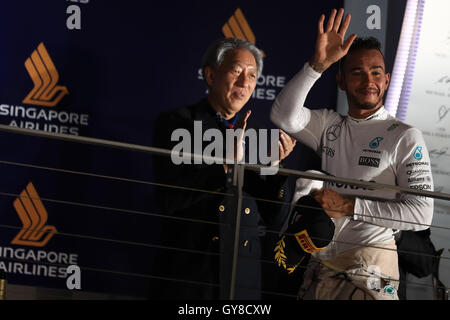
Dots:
pixel 238 27
pixel 45 78
pixel 33 215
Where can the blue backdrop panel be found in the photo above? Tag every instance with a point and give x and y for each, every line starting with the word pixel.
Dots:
pixel 128 62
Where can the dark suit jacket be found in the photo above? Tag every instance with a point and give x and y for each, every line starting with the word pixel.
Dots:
pixel 202 262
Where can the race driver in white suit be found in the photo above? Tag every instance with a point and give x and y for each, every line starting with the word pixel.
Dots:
pixel 369 145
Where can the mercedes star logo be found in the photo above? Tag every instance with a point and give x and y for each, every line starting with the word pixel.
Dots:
pixel 333 132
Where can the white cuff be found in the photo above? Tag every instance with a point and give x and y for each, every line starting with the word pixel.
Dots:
pixel 311 72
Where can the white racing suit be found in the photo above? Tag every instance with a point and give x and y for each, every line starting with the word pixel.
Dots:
pixel 378 149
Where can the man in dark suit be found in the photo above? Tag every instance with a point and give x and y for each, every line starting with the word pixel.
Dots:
pixel 200 259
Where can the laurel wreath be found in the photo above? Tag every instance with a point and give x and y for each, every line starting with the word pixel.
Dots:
pixel 280 257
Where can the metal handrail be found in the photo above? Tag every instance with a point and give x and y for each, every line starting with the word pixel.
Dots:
pixel 254 167
pixel 238 179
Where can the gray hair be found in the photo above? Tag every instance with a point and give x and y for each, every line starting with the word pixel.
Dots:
pixel 216 52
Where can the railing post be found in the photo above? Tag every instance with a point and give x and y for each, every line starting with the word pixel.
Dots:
pixel 238 182
pixel 2 285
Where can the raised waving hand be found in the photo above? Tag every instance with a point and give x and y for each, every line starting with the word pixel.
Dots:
pixel 330 45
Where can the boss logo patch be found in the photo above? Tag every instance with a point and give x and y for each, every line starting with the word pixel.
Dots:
pixel 369 162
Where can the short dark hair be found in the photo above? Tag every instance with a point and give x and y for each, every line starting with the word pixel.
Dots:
pixel 369 43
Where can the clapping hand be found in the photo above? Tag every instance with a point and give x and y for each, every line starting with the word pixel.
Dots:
pixel 286 144
pixel 238 143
